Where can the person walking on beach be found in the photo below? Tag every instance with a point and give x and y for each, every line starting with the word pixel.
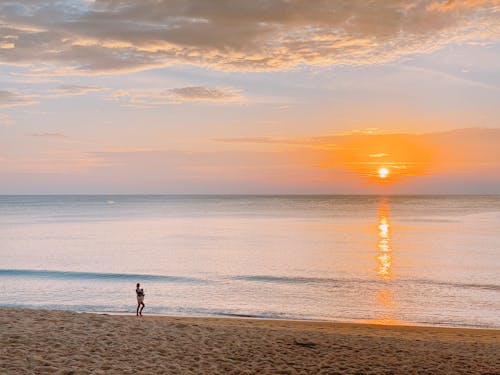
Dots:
pixel 140 299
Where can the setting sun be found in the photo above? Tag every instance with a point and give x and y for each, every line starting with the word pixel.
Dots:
pixel 383 172
pixel 385 158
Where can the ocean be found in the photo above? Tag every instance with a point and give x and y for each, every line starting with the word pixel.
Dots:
pixel 430 260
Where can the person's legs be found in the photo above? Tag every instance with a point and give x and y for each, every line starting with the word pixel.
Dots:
pixel 142 307
pixel 137 311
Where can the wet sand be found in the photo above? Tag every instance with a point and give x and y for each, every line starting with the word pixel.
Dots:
pixel 42 341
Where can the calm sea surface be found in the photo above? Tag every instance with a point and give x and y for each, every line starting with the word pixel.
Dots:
pixel 417 260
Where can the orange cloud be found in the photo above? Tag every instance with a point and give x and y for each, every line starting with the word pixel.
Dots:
pixel 445 6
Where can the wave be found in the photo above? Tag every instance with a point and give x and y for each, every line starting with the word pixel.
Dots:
pixel 459 285
pixel 331 282
pixel 340 281
pixel 103 276
pixel 227 312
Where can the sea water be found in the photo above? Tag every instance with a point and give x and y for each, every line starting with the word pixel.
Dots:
pixel 399 260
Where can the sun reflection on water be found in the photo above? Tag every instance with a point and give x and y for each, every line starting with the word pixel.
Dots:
pixel 384 296
pixel 384 256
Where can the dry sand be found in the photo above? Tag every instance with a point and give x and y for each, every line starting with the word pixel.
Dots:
pixel 39 342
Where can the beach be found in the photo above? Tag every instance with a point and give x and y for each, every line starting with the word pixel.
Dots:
pixel 64 342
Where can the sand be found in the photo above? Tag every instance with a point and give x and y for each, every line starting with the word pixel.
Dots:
pixel 41 341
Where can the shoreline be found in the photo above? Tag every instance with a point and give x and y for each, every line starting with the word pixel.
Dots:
pixel 264 318
pixel 363 322
pixel 50 341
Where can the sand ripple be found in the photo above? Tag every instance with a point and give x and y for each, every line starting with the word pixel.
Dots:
pixel 46 342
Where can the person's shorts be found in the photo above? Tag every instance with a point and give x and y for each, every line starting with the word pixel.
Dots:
pixel 140 299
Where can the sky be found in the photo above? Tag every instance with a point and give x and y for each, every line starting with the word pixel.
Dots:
pixel 250 97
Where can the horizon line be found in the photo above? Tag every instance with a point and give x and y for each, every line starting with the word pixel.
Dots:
pixel 251 194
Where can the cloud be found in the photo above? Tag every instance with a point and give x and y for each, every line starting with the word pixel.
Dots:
pixel 379 155
pixel 116 36
pixel 6 119
pixel 48 135
pixel 13 99
pixel 149 99
pixel 73 90
pixel 317 142
pixel 446 6
pixel 200 93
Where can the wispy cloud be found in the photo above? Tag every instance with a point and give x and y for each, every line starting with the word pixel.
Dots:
pixel 73 90
pixel 149 99
pixel 114 36
pixel 6 119
pixel 201 93
pixel 321 142
pixel 48 135
pixel 449 5
pixel 379 155
pixel 14 98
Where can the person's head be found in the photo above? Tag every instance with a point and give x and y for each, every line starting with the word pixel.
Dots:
pixel 138 285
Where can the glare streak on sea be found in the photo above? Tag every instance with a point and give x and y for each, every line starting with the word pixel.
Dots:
pixel 431 260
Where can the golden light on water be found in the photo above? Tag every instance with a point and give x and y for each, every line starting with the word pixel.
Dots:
pixel 384 256
pixel 384 297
